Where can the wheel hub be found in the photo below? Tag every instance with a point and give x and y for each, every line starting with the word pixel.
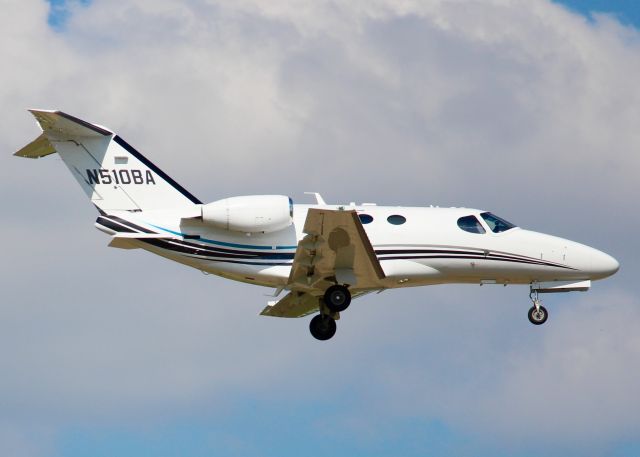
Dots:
pixel 337 298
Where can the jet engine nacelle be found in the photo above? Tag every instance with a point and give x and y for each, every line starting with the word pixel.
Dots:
pixel 250 214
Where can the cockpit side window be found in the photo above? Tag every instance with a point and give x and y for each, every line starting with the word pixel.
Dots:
pixel 496 224
pixel 470 224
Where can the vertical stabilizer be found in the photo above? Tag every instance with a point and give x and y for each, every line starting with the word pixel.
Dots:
pixel 112 173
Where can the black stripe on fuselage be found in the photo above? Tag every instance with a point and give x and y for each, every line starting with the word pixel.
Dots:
pixel 131 150
pixel 130 224
pixel 113 225
pixel 479 254
pixel 202 248
pixel 265 254
pixel 191 252
pixel 452 251
pixel 130 227
pixel 472 257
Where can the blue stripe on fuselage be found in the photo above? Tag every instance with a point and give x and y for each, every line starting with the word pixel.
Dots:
pixel 224 243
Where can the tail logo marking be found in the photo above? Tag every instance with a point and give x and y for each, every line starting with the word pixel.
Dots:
pixel 121 176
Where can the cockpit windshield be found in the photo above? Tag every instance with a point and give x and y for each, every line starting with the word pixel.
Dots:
pixel 470 224
pixel 495 223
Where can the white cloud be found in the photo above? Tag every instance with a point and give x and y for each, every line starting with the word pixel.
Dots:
pixel 520 106
pixel 573 384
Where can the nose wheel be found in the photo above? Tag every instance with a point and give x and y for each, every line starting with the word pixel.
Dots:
pixel 538 314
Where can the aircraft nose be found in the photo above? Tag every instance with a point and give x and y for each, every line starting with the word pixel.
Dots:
pixel 601 265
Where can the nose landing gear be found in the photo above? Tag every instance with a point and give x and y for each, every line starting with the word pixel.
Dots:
pixel 538 314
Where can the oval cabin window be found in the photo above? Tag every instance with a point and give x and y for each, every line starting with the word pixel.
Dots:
pixel 396 219
pixel 365 218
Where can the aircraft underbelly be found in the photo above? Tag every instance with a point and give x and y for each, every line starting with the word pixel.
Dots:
pixel 266 275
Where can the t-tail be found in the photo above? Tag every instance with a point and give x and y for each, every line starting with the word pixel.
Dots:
pixel 112 173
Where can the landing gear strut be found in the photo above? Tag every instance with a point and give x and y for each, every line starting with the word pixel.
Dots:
pixel 537 314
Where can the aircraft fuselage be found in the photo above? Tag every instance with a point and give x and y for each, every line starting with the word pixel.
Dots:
pixel 427 248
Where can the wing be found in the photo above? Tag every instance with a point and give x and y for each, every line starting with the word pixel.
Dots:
pixel 298 304
pixel 335 249
pixel 294 304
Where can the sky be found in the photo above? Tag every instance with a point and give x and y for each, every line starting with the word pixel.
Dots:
pixel 625 11
pixel 528 109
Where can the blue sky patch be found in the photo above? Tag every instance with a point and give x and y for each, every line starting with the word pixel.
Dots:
pixel 60 11
pixel 627 11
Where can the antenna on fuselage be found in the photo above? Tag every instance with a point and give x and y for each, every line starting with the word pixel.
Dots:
pixel 319 198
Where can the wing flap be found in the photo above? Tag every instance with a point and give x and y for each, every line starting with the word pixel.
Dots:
pixel 294 304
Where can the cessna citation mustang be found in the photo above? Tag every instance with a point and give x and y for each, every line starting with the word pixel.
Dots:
pixel 322 255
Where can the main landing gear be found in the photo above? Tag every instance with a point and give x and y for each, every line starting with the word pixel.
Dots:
pixel 538 314
pixel 335 299
pixel 322 327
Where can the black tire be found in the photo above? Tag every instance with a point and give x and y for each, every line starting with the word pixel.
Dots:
pixel 322 327
pixel 538 317
pixel 337 298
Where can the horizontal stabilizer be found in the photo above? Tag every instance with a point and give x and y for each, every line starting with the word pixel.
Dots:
pixel 61 126
pixel 40 147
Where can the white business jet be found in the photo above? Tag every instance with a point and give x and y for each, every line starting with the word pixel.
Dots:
pixel 322 255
